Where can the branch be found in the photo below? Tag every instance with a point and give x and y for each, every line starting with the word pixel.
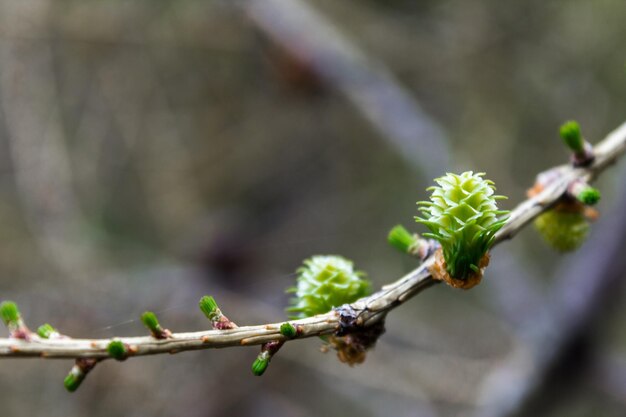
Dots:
pixel 584 289
pixel 363 312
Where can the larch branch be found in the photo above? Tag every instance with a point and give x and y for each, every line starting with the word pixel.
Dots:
pixel 368 310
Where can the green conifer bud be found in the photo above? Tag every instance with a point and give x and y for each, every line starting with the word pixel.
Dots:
pixel 463 216
pixel 117 350
pixel 288 330
pixel 570 133
pixel 324 282
pixel 563 230
pixel 402 239
pixel 10 314
pixel 209 307
pixel 45 331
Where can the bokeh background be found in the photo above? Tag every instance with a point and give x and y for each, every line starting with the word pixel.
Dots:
pixel 152 152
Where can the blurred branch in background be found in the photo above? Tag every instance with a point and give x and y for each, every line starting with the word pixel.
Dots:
pixel 317 44
pixel 41 164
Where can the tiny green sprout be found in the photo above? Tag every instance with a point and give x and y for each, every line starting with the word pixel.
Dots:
pixel 149 319
pixel 463 216
pixel 45 331
pixel 261 363
pixel 288 330
pixel 117 350
pixel 209 308
pixel 589 196
pixel 10 313
pixel 74 378
pixel 324 282
pixel 78 373
pixel 402 239
pixel 570 133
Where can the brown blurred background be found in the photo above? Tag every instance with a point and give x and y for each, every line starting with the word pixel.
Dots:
pixel 152 152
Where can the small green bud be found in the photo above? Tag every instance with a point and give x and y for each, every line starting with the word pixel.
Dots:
pixel 209 308
pixel 463 216
pixel 261 363
pixel 117 350
pixel 149 319
pixel 45 331
pixel 78 373
pixel 324 282
pixel 401 239
pixel 74 378
pixel 288 330
pixel 570 133
pixel 589 196
pixel 10 313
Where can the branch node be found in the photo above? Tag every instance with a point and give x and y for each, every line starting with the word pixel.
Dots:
pixel 439 272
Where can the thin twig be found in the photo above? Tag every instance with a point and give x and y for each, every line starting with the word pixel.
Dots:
pixel 367 311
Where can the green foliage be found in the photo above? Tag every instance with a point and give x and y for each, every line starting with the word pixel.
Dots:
pixel 288 330
pixel 563 230
pixel 10 313
pixel 324 282
pixel 45 330
pixel 401 239
pixel 209 307
pixel 117 350
pixel 570 133
pixel 73 379
pixel 463 216
pixel 260 364
pixel 149 319
pixel 589 196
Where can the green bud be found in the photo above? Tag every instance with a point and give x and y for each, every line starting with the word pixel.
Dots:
pixel 209 308
pixel 570 133
pixel 463 216
pixel 45 331
pixel 74 378
pixel 563 230
pixel 10 313
pixel 261 363
pixel 589 196
pixel 288 330
pixel 324 282
pixel 117 350
pixel 149 319
pixel 401 239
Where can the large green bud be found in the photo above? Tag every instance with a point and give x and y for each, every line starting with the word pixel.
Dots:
pixel 562 229
pixel 324 282
pixel 463 216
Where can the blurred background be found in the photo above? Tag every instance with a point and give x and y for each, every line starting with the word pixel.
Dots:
pixel 152 152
